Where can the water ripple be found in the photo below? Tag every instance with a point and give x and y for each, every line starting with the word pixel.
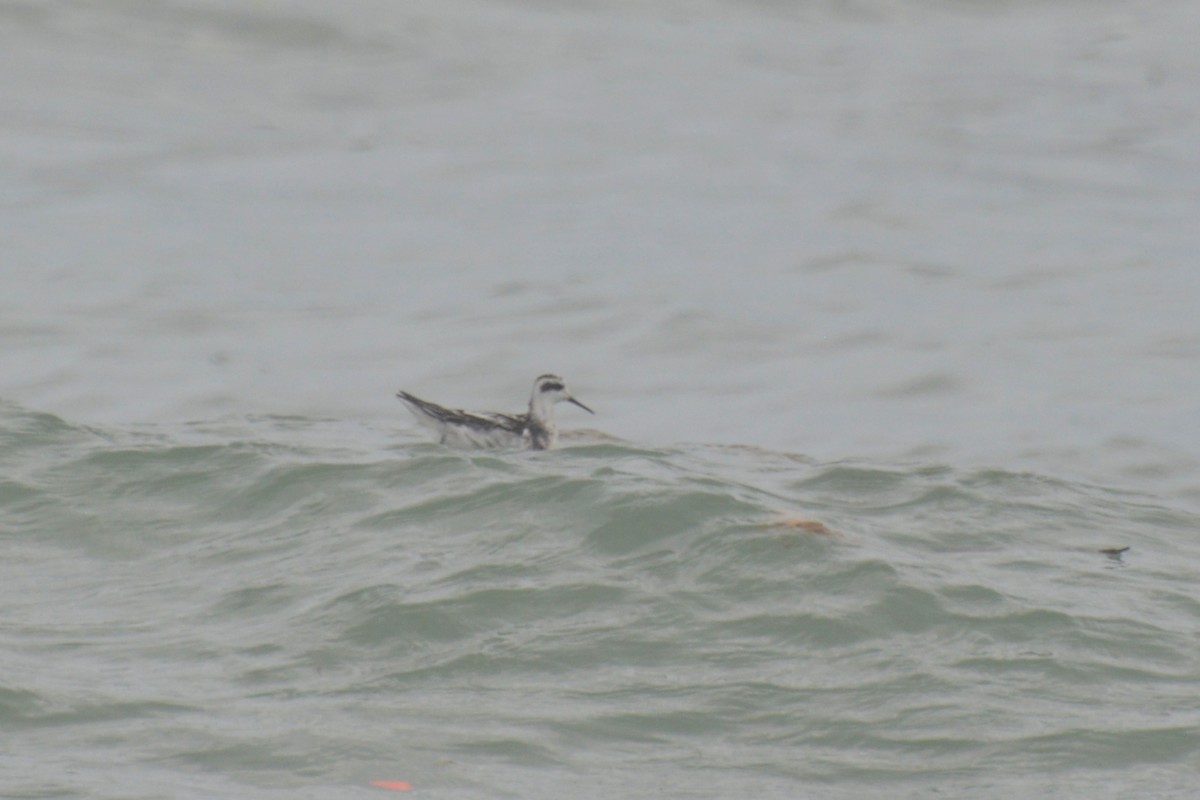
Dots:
pixel 201 598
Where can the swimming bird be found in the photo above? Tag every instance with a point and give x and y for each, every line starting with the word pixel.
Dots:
pixel 534 429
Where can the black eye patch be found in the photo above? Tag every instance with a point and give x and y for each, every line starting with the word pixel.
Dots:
pixel 551 387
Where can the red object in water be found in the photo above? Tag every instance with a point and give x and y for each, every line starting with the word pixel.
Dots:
pixel 399 786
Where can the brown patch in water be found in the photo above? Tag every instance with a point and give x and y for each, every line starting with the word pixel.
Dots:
pixel 798 523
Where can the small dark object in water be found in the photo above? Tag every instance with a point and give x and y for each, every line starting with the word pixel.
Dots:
pixel 1115 552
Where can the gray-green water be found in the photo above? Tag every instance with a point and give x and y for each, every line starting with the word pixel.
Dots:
pixel 923 271
pixel 291 607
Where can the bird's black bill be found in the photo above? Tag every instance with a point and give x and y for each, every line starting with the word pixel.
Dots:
pixel 581 405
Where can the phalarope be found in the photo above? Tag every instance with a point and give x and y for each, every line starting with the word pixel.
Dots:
pixel 534 429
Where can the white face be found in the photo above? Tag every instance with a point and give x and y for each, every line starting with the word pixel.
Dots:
pixel 551 389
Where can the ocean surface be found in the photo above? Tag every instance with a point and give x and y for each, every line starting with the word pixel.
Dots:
pixel 888 312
